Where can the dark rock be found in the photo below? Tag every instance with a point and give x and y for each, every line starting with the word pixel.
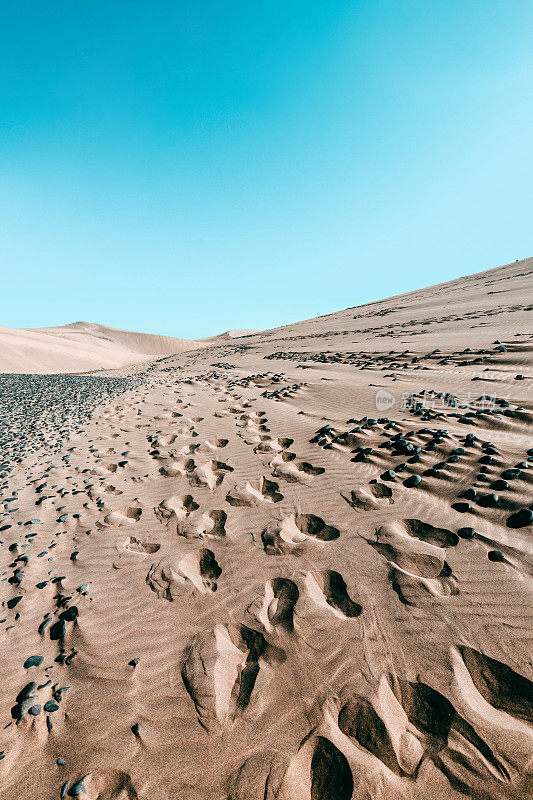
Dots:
pixel 33 661
pixel 70 614
pixel 57 631
pixel 489 501
pixel 500 484
pixel 511 474
pixel 466 533
pixel 469 494
pixel 389 475
pixel 520 519
pixel 26 692
pixel 463 508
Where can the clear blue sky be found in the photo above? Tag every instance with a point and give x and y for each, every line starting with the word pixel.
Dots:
pixel 188 167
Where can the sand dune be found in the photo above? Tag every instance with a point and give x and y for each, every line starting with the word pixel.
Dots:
pixel 221 337
pixel 80 347
pixel 294 564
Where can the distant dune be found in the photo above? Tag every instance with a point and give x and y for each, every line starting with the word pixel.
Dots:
pixel 220 337
pixel 81 346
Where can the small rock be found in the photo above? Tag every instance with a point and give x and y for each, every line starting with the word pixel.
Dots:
pixel 33 661
pixel 520 519
pixel 466 533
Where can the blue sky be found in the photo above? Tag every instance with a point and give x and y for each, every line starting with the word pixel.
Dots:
pixel 184 168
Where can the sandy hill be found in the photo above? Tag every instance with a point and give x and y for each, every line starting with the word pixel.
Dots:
pixel 227 335
pixel 80 346
pixel 493 293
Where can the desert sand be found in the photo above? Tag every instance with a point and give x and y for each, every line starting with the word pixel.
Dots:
pixel 284 565
pixel 81 346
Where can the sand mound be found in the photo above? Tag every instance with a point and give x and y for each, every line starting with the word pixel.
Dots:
pixel 81 347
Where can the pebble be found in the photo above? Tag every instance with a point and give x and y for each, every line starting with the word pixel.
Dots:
pixel 77 788
pixel 463 508
pixel 33 661
pixel 26 692
pixel 499 484
pixel 389 475
pixel 70 614
pixel 489 500
pixel 466 533
pixel 520 519
pixel 58 629
pixel 44 624
pixel 511 474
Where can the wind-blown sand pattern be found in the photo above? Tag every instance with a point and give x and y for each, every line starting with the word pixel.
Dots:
pixel 286 565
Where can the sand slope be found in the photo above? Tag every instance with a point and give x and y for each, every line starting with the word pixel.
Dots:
pixel 292 565
pixel 80 346
pixel 228 335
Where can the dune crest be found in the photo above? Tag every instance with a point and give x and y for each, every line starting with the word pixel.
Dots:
pixel 81 347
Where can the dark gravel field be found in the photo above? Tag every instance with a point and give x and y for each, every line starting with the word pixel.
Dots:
pixel 39 411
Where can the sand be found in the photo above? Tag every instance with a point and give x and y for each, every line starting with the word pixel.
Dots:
pixel 81 346
pixel 283 565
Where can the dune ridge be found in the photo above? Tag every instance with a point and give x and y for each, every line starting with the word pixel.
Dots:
pixel 80 347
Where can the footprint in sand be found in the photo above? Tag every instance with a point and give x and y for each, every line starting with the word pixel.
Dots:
pixel 379 724
pixel 328 589
pixel 220 670
pixel 416 553
pixel 109 489
pixel 175 508
pixel 268 445
pixel 172 468
pixel 101 786
pixel 295 532
pixel 275 611
pixel 210 474
pixel 327 766
pixel 125 516
pixel 210 524
pixel 285 467
pixel 214 444
pixel 370 498
pixel 133 545
pixel 254 493
pixel 197 570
